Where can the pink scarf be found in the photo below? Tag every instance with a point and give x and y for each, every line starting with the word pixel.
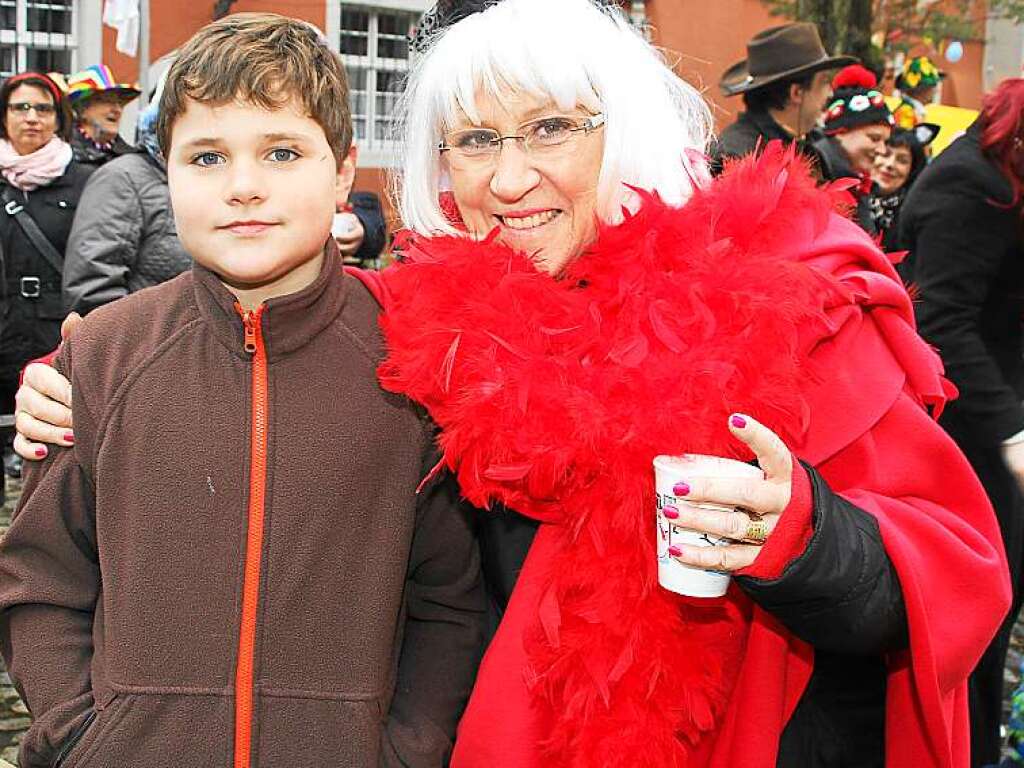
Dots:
pixel 37 169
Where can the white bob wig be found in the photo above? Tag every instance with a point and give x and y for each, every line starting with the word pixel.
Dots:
pixel 574 53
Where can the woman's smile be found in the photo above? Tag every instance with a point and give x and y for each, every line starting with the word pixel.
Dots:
pixel 523 220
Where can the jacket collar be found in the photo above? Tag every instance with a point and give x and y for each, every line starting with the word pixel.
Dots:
pixel 288 322
pixel 767 126
pixel 834 164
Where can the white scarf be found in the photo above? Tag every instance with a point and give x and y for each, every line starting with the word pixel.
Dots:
pixel 36 169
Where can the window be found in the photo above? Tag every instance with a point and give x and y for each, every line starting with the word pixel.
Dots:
pixel 38 35
pixel 374 44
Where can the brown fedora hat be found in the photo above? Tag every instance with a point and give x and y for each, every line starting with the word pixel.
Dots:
pixel 777 54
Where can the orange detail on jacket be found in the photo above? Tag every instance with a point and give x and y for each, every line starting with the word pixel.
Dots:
pixel 254 537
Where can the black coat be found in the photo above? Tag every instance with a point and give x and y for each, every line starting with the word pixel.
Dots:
pixel 31 326
pixel 967 257
pixel 842 596
pixel 751 129
pixel 366 207
pixel 87 153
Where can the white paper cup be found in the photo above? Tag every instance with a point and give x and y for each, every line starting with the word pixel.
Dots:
pixel 668 471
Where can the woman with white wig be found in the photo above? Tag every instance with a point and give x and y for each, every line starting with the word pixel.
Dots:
pixel 576 298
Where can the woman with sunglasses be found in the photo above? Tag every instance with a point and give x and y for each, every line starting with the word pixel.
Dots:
pixel 40 186
pixel 577 297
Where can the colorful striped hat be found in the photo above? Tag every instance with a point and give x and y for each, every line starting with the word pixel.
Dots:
pixel 97 79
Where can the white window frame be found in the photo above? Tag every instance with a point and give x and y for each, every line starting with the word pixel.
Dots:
pixel 22 40
pixel 372 153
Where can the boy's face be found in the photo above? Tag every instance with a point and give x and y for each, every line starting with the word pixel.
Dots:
pixel 254 192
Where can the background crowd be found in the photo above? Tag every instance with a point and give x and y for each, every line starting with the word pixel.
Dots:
pixel 88 220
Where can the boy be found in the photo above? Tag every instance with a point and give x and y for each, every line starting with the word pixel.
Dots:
pixel 232 567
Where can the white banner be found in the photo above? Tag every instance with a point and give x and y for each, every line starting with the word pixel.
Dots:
pixel 123 15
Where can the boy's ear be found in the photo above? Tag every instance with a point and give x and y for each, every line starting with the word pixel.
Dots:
pixel 346 175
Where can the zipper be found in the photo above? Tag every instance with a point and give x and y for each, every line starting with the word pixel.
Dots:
pixel 74 738
pixel 253 345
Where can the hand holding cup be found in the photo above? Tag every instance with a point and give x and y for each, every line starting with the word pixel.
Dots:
pixel 751 505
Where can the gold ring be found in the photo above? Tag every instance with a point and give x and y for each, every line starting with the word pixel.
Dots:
pixel 757 531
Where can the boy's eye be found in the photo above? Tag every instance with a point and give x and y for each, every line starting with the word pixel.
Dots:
pixel 283 155
pixel 207 159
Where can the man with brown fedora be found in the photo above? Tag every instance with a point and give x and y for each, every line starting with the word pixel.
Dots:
pixel 784 82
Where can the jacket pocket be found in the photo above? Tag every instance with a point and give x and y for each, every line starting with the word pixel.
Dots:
pixel 74 739
pixel 157 731
pixel 89 734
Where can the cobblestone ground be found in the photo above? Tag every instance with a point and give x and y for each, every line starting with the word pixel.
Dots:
pixel 14 718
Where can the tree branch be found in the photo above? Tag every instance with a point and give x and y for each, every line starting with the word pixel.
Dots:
pixel 222 8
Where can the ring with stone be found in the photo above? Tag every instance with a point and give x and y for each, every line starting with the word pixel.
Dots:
pixel 757 531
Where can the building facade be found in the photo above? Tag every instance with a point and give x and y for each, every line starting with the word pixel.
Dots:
pixel 700 38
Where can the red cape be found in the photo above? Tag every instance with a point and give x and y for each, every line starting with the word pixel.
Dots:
pixel 858 417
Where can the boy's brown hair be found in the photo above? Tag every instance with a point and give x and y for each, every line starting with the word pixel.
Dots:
pixel 263 59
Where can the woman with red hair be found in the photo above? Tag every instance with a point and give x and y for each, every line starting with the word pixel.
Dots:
pixel 962 223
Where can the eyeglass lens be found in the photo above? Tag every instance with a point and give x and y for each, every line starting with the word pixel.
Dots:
pixel 537 136
pixel 24 107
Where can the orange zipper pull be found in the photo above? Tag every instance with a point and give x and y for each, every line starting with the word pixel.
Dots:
pixel 250 326
pixel 249 321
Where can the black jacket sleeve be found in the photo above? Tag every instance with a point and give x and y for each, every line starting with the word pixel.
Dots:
pixel 842 594
pixel 444 626
pixel 962 249
pixel 366 207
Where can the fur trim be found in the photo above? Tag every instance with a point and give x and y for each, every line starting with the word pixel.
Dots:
pixel 555 395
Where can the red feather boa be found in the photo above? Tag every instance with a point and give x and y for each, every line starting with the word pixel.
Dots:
pixel 555 395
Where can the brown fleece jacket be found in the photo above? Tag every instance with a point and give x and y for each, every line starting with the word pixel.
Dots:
pixel 121 578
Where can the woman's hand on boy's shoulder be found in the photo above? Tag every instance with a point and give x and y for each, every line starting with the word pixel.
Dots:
pixel 43 412
pixel 43 405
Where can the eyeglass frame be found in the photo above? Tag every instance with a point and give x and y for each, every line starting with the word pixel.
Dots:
pixel 22 108
pixel 590 123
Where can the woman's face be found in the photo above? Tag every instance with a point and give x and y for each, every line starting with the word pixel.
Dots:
pixel 892 169
pixel 863 144
pixel 543 205
pixel 31 119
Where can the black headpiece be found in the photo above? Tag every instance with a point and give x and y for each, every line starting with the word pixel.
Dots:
pixel 449 12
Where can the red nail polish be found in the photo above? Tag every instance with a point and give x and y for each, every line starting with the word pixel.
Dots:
pixel 681 489
pixel 41 453
pixel 670 512
pixel 69 437
pixel 738 421
pixel 675 551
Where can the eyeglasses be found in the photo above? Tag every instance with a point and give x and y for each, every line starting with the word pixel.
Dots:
pixel 24 107
pixel 545 137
